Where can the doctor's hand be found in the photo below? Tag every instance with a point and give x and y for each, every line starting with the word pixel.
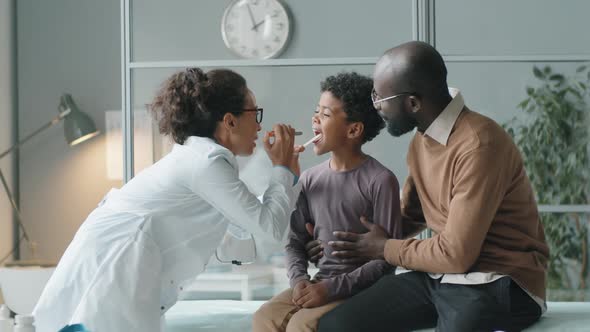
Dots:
pixel 314 248
pixel 281 151
pixel 313 295
pixel 353 246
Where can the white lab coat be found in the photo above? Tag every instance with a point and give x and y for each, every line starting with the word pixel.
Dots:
pixel 133 254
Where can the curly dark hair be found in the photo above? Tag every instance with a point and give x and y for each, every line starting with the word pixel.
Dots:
pixel 191 102
pixel 354 91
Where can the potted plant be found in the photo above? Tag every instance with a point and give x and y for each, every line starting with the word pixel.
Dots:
pixel 553 136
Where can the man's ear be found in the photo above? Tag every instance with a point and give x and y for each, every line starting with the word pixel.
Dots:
pixel 415 104
pixel 355 130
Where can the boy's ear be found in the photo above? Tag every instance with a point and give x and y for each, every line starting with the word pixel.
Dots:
pixel 355 130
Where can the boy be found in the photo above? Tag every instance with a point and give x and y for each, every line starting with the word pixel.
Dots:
pixel 349 185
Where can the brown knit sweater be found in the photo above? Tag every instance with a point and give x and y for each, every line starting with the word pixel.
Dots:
pixel 475 195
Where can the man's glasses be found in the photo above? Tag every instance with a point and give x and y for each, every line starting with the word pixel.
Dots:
pixel 259 113
pixel 377 100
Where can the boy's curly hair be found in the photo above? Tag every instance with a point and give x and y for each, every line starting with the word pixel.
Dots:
pixel 354 91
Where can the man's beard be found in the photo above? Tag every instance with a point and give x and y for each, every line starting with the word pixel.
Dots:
pixel 401 125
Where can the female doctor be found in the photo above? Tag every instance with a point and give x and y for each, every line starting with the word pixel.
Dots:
pixel 136 250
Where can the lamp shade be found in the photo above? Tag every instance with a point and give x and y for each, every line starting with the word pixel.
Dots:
pixel 78 126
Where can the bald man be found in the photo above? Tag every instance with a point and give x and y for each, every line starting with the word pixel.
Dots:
pixel 484 267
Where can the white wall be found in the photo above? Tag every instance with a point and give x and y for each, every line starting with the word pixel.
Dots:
pixel 6 118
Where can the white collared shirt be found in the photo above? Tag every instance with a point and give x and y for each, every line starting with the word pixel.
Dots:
pixel 439 130
pixel 133 254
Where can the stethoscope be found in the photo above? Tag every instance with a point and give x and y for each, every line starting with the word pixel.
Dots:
pixel 238 262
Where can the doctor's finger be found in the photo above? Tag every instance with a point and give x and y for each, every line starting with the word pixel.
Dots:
pixel 291 132
pixel 266 141
pixel 280 132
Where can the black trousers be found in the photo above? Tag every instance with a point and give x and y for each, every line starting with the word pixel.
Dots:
pixel 413 300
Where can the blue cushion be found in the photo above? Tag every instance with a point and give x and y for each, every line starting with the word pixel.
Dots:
pixel 74 328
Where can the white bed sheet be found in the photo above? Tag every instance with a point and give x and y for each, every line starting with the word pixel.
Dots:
pixel 236 316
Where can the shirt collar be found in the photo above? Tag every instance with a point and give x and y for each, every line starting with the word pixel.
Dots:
pixel 440 129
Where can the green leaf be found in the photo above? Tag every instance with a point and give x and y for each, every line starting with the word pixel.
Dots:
pixel 523 104
pixel 530 91
pixel 510 132
pixel 557 77
pixel 538 73
pixel 547 70
pixel 581 69
pixel 575 92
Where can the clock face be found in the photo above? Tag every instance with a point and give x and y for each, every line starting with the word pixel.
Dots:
pixel 256 29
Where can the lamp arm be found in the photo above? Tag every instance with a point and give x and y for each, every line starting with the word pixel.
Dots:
pixel 14 206
pixel 19 216
pixel 54 121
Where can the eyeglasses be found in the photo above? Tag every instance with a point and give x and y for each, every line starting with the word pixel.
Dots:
pixel 377 101
pixel 259 113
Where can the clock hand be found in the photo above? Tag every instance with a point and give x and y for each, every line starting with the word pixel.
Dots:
pixel 254 27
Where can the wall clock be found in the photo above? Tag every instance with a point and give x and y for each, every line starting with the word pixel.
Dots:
pixel 256 29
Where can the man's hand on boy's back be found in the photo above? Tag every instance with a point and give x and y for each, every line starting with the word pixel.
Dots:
pixel 310 295
pixel 314 248
pixel 352 246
